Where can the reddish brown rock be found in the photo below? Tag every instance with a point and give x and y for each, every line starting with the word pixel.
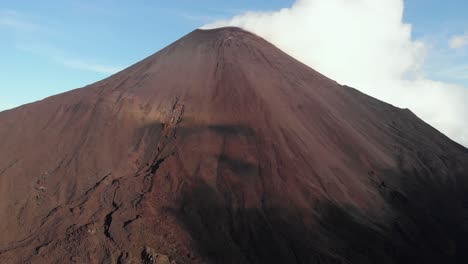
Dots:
pixel 222 149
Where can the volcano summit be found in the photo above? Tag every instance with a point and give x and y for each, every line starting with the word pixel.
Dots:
pixel 220 148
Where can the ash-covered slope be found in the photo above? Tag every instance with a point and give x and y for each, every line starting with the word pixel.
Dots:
pixel 222 149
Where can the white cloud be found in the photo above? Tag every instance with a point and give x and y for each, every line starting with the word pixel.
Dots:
pixel 364 44
pixel 458 42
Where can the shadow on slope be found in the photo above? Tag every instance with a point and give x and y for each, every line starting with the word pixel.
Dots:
pixel 427 223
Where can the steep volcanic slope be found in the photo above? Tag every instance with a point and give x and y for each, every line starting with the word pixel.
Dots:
pixel 222 149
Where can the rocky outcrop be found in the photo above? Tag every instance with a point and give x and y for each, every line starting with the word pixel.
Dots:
pixel 150 256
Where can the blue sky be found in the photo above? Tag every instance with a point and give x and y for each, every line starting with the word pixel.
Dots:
pixel 48 47
pixel 437 22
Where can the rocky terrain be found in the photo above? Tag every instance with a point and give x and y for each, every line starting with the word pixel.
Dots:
pixel 221 148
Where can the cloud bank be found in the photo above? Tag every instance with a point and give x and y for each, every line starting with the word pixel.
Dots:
pixel 364 44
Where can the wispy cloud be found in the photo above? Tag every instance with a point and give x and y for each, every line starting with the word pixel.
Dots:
pixel 17 21
pixel 23 25
pixel 61 57
pixel 4 106
pixel 199 18
pixel 458 72
pixel 80 64
pixel 213 14
pixel 459 41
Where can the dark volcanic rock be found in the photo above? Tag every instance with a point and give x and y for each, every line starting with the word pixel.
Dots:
pixel 222 149
pixel 150 256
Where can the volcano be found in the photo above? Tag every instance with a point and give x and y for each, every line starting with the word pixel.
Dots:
pixel 221 148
